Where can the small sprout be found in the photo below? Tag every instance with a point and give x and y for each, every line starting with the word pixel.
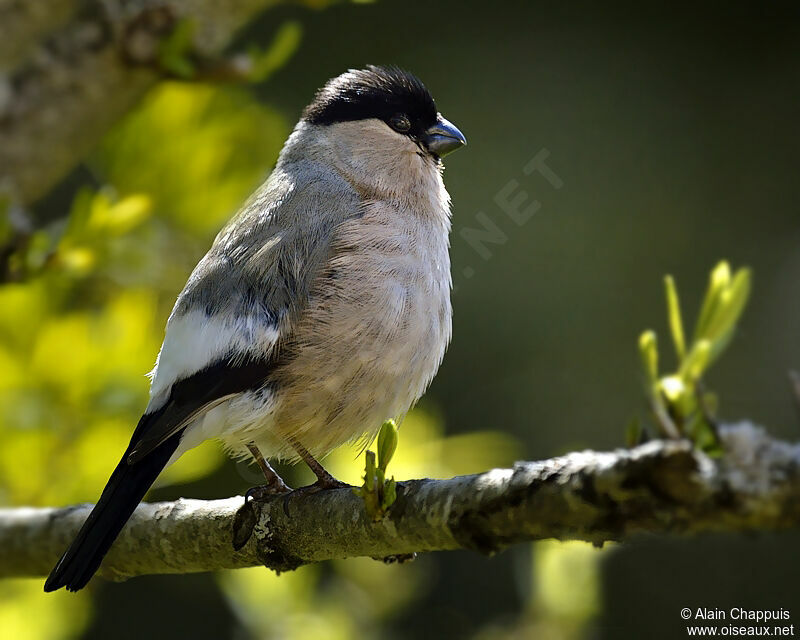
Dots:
pixel 674 315
pixel 648 350
pixel 681 406
pixel 378 493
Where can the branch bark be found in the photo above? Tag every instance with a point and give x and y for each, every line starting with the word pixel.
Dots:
pixel 660 487
pixel 70 69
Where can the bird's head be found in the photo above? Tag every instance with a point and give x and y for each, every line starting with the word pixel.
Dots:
pixel 381 120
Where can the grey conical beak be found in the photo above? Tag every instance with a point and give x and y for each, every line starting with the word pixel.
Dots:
pixel 443 137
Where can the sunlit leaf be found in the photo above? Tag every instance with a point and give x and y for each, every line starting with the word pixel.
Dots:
pixel 77 261
pixel 284 44
pixel 729 310
pixel 718 281
pixel 215 144
pixel 695 363
pixel 674 317
pixel 567 579
pixel 120 217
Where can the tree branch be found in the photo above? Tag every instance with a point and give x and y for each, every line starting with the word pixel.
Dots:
pixel 25 23
pixel 658 487
pixel 59 95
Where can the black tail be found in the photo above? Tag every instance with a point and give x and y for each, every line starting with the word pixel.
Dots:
pixel 124 491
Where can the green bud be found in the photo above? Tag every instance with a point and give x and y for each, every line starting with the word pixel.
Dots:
pixel 387 443
pixel 648 351
pixel 389 494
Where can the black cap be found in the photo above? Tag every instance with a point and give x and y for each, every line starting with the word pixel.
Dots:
pixel 375 92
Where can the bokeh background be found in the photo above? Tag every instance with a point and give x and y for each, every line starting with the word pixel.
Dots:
pixel 675 141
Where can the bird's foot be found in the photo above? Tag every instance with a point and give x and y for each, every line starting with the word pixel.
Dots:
pixel 324 482
pixel 264 491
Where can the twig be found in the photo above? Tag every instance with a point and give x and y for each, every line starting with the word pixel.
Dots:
pixel 66 79
pixel 659 487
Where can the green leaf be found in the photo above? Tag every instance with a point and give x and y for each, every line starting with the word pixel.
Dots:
pixel 175 51
pixel 648 352
pixel 674 315
pixel 730 307
pixel 705 438
pixel 732 301
pixel 284 44
pixel 718 281
pixel 120 217
pixel 696 362
pixel 80 212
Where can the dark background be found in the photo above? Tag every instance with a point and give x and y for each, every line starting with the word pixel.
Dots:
pixel 676 139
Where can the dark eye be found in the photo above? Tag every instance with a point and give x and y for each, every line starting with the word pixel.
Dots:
pixel 400 122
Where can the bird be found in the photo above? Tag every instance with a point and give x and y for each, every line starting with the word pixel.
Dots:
pixel 321 310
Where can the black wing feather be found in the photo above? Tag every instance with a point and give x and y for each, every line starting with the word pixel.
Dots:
pixel 195 393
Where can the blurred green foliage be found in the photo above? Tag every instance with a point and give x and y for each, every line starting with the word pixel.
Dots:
pixel 196 150
pixel 26 613
pixel 83 322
